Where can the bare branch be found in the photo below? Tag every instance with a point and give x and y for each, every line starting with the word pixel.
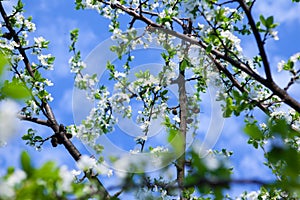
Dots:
pixel 34 119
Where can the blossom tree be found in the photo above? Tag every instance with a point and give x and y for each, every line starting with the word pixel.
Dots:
pixel 200 48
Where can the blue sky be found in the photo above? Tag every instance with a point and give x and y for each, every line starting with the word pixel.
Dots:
pixel 54 19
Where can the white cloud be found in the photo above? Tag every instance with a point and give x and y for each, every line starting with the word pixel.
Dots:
pixel 282 10
pixel 8 120
pixel 253 162
pixel 8 5
pixel 65 104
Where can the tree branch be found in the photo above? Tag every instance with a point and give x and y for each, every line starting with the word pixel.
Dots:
pixel 34 119
pixel 281 93
pixel 259 42
pixel 237 84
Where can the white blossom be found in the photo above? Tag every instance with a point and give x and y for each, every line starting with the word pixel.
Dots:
pixel 14 44
pixel 294 58
pixel 48 82
pixel 107 12
pixel 145 125
pixel 103 169
pixel 5 45
pixel 76 67
pixel 7 186
pixel 119 74
pixel 280 65
pixel 73 130
pixel 143 138
pixel 211 162
pixel 38 41
pixel 6 190
pixel 17 177
pixel 67 179
pixel 251 196
pixel 135 151
pixel 274 34
pixel 34 107
pixel 86 162
pixel 75 172
pixel 159 149
pixel 278 114
pixel 44 61
pixel 263 125
pixel 236 41
pixel 176 119
pixel 30 26
pixel 200 26
pixel 155 5
pixel 48 97
pixel 17 58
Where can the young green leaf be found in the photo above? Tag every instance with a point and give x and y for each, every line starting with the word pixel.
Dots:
pixel 253 131
pixel 26 162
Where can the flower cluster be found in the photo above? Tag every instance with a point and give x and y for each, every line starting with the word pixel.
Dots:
pixel 290 65
pixel 7 187
pixel 88 163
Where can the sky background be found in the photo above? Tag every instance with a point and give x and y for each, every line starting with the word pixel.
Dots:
pixel 54 19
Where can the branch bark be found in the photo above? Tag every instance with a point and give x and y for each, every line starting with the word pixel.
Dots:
pixel 281 93
pixel 34 120
pixel 180 165
pixel 259 42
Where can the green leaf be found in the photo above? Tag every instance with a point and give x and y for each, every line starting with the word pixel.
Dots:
pixel 183 64
pixel 164 92
pixel 3 62
pixel 228 108
pixel 47 171
pixel 290 156
pixel 74 34
pixel 15 90
pixel 208 48
pixel 270 21
pixel 263 20
pixel 279 126
pixel 19 6
pixel 38 138
pixel 26 163
pixel 51 60
pixel 176 140
pixel 253 131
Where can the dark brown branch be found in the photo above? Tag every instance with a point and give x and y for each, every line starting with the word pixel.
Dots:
pixel 259 42
pixel 281 93
pixel 34 119
pixel 236 83
pixel 291 82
